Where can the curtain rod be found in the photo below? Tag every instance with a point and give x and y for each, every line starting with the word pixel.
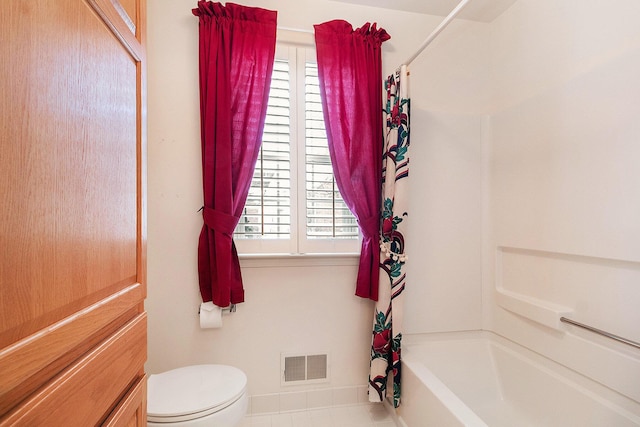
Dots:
pixel 296 30
pixel 438 30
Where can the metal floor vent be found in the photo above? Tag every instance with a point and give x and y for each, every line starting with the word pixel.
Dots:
pixel 305 368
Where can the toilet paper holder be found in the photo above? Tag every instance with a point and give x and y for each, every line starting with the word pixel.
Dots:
pixel 230 309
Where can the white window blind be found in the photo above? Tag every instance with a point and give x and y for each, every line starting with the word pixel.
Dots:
pixel 294 205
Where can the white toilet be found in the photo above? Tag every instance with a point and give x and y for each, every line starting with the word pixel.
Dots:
pixel 197 396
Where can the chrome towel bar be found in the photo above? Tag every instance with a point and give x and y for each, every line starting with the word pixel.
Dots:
pixel 601 332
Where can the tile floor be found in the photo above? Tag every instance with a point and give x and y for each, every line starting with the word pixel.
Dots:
pixel 362 415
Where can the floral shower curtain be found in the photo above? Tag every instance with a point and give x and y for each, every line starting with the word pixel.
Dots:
pixel 387 323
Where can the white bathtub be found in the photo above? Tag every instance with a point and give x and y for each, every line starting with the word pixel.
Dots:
pixel 481 379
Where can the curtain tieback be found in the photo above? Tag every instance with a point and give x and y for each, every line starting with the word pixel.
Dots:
pixel 370 226
pixel 219 221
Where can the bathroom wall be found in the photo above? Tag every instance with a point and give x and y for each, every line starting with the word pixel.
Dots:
pixel 523 178
pixel 307 305
pixel 449 98
pixel 562 193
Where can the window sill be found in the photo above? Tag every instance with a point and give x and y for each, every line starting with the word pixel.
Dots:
pixel 297 260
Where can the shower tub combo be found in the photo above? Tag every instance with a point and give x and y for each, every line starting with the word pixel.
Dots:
pixel 480 379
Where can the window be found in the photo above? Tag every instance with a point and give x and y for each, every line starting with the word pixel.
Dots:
pixel 294 205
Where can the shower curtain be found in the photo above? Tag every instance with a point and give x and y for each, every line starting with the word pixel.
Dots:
pixel 387 322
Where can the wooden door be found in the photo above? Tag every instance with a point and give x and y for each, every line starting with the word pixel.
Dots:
pixel 72 209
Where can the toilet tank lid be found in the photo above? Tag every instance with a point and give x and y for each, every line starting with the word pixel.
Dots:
pixel 194 389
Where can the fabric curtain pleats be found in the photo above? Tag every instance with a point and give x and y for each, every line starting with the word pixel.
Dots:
pixel 387 322
pixel 350 73
pixel 237 49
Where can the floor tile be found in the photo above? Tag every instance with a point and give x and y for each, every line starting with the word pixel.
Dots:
pixel 282 420
pixel 261 421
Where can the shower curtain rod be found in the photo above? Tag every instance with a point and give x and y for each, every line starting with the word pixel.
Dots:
pixel 438 30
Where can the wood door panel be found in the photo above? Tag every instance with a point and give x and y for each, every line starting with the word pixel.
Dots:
pixel 84 394
pixel 130 8
pixel 69 176
pixel 132 411
pixel 73 216
pixel 119 18
pixel 31 362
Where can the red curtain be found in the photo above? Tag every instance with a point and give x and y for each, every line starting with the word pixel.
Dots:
pixel 350 72
pixel 237 48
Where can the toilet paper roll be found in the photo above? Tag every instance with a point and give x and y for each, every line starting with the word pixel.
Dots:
pixel 210 315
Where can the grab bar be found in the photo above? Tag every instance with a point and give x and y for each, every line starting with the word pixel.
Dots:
pixel 601 332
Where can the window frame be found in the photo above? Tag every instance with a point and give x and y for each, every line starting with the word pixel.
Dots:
pixel 297 49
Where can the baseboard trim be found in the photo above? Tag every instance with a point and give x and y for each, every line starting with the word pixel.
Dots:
pixel 319 398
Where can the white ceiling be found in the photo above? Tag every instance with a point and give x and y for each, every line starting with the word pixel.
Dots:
pixel 476 10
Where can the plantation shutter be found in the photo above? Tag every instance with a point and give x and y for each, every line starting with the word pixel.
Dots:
pixel 294 205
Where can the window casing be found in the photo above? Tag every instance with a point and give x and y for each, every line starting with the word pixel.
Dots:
pixel 294 206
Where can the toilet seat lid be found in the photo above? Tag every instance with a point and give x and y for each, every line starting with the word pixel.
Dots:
pixel 194 391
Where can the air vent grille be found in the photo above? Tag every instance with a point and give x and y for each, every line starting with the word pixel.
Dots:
pixel 295 368
pixel 317 367
pixel 305 368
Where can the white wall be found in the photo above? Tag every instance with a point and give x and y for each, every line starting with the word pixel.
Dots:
pixel 449 96
pixel 564 193
pixel 293 305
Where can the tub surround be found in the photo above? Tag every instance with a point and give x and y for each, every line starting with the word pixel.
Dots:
pixel 549 119
pixel 561 191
